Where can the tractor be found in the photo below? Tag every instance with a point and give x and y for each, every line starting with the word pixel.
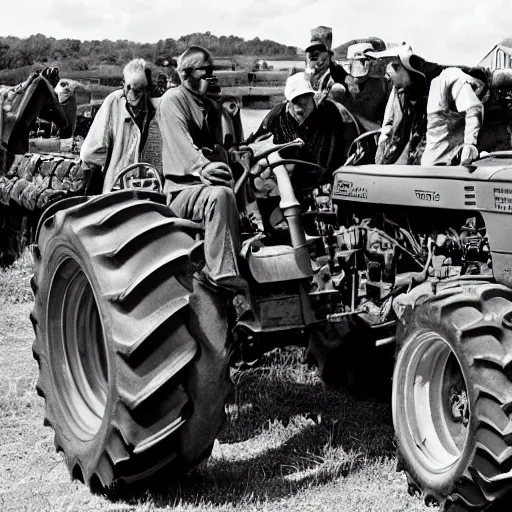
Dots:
pixel 134 347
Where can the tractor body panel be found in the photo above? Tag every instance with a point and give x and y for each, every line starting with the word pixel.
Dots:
pixel 486 188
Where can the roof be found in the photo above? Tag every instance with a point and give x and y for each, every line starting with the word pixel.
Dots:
pixel 506 42
pixel 504 45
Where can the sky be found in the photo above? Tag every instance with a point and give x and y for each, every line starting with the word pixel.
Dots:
pixel 445 31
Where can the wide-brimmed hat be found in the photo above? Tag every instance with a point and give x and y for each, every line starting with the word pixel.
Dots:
pixel 296 86
pixel 403 53
pixel 321 37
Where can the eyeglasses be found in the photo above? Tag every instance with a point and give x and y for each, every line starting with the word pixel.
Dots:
pixel 356 67
pixel 207 69
pixel 136 90
pixel 316 54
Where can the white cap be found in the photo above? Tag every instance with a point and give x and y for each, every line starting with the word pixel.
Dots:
pixel 403 53
pixel 297 85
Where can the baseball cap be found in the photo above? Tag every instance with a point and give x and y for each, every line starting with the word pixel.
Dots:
pixel 403 53
pixel 296 86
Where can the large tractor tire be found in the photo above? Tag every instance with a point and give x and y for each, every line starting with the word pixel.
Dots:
pixel 452 397
pixel 133 352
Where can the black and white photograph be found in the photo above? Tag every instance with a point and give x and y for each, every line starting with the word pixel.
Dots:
pixel 255 256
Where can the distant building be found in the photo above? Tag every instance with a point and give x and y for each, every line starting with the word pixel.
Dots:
pixel 499 57
pixel 261 65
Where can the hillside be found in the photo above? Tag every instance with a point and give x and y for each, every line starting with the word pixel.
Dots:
pixel 75 55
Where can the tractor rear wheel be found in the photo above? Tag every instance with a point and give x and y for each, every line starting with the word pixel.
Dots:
pixel 133 353
pixel 452 397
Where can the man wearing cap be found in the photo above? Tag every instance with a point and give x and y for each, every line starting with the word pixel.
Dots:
pixel 326 134
pixel 434 112
pixel 325 75
pixel 367 88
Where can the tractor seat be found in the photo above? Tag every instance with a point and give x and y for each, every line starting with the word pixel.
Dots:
pixel 277 262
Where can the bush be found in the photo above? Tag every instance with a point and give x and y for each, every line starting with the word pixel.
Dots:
pixel 79 65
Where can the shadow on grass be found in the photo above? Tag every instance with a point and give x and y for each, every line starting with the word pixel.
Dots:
pixel 285 432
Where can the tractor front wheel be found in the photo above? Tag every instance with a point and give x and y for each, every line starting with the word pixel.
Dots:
pixel 452 397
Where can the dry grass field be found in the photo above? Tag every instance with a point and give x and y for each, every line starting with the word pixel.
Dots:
pixel 289 443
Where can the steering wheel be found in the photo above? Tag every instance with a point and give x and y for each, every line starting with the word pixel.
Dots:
pixel 356 149
pixel 256 169
pixel 142 165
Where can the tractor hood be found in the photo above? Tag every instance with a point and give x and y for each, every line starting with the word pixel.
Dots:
pixel 19 108
pixel 487 185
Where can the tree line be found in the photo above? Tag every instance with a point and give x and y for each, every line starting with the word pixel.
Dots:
pixel 73 54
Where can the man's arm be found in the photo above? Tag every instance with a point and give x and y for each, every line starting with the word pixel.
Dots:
pixel 95 148
pixel 467 101
pixel 267 125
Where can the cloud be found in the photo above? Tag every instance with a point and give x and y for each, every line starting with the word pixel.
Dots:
pixel 447 31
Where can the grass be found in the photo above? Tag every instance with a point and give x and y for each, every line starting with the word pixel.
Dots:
pixel 289 443
pixel 15 281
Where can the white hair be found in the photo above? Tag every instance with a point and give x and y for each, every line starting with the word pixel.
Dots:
pixel 136 68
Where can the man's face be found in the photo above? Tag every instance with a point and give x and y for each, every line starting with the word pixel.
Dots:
pixel 134 89
pixel 197 79
pixel 302 106
pixel 398 75
pixel 318 59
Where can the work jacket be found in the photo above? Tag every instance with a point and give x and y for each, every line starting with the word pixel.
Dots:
pixel 114 139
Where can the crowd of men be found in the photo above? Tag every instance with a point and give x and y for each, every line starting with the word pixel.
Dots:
pixel 426 113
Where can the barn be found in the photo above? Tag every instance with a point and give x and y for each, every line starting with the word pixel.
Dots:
pixel 499 57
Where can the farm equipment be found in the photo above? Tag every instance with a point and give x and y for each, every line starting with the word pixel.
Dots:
pixel 29 182
pixel 134 347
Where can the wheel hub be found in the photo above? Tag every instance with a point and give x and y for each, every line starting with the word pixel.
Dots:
pixel 460 405
pixel 435 409
pixel 77 349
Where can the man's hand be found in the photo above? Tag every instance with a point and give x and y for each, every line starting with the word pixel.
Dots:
pixel 217 174
pixel 384 134
pixel 468 154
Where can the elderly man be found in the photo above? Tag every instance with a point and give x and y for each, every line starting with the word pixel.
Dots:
pixel 198 180
pixel 119 131
pixel 434 113
pixel 326 132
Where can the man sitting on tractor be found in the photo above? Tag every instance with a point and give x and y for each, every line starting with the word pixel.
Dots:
pixel 434 113
pixel 198 179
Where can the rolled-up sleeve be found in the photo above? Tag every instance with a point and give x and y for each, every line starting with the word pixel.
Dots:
pixel 180 155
